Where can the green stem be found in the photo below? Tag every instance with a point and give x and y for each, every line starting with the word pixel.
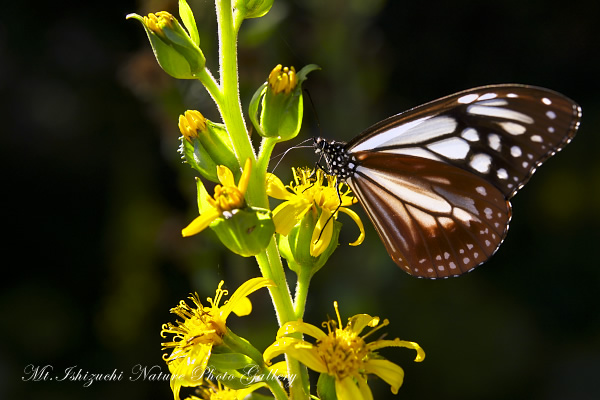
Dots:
pixel 271 267
pixel 301 293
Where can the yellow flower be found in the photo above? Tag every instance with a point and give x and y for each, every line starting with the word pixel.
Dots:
pixel 227 197
pixel 210 391
pixel 343 354
pixel 282 79
pixel 201 329
pixel 307 193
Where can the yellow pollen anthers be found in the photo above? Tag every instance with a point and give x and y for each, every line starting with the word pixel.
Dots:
pixel 308 193
pixel 282 79
pixel 191 123
pixel 156 22
pixel 343 353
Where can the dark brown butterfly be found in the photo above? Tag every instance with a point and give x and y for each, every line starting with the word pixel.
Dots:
pixel 436 181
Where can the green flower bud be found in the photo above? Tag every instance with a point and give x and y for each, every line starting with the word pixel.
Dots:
pixel 205 144
pixel 176 52
pixel 280 100
pixel 295 247
pixel 252 8
pixel 246 231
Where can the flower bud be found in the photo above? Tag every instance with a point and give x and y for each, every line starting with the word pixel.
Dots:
pixel 176 52
pixel 296 246
pixel 205 145
pixel 280 100
pixel 245 231
pixel 252 8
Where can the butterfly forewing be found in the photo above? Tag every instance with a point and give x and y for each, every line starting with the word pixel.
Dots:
pixel 435 220
pixel 501 133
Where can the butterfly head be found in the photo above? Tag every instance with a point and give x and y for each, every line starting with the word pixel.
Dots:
pixel 338 160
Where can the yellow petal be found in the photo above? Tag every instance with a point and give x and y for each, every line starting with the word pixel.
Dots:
pixel 399 343
pixel 225 176
pixel 298 349
pixel 321 234
pixel 365 390
pixel 242 307
pixel 243 185
pixel 302 327
pixel 201 222
pixel 279 369
pixel 276 188
pixel 346 389
pixel 388 371
pixel 188 369
pixel 287 214
pixel 248 287
pixel 358 222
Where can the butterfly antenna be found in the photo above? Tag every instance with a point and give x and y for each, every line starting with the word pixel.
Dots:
pixel 282 155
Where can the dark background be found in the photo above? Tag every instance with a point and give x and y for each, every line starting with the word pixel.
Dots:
pixel 95 195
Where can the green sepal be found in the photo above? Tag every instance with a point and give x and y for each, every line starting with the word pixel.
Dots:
pixel 280 114
pixel 187 17
pixel 253 109
pixel 230 361
pixel 326 387
pixel 175 51
pixel 196 155
pixel 252 8
pixel 295 247
pixel 218 144
pixel 211 148
pixel 246 231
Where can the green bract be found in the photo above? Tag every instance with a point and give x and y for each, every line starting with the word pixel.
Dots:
pixel 295 247
pixel 246 232
pixel 176 52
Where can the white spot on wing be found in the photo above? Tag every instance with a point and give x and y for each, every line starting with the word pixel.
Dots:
pixel 546 101
pixel 467 99
pixel 499 112
pixel 494 141
pixel 481 163
pixel 512 95
pixel 453 148
pixel 513 128
pixel 470 134
pixel 502 174
pixel 551 114
pixel 536 138
pixel 515 151
pixel 487 96
pixel 481 190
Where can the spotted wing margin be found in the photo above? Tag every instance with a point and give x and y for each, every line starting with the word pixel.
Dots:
pixel 499 132
pixel 435 220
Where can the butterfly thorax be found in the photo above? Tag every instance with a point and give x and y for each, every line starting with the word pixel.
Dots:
pixel 338 161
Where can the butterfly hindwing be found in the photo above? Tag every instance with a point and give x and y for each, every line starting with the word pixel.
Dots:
pixel 435 220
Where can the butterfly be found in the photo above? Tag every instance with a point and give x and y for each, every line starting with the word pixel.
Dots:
pixel 436 181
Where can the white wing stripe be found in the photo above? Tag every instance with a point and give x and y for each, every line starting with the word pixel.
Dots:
pixel 413 132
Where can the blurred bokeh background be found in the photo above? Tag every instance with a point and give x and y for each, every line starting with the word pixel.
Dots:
pixel 95 194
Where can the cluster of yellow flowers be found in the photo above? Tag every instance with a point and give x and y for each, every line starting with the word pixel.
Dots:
pixel 303 228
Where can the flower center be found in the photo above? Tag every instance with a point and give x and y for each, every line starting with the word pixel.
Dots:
pixel 343 352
